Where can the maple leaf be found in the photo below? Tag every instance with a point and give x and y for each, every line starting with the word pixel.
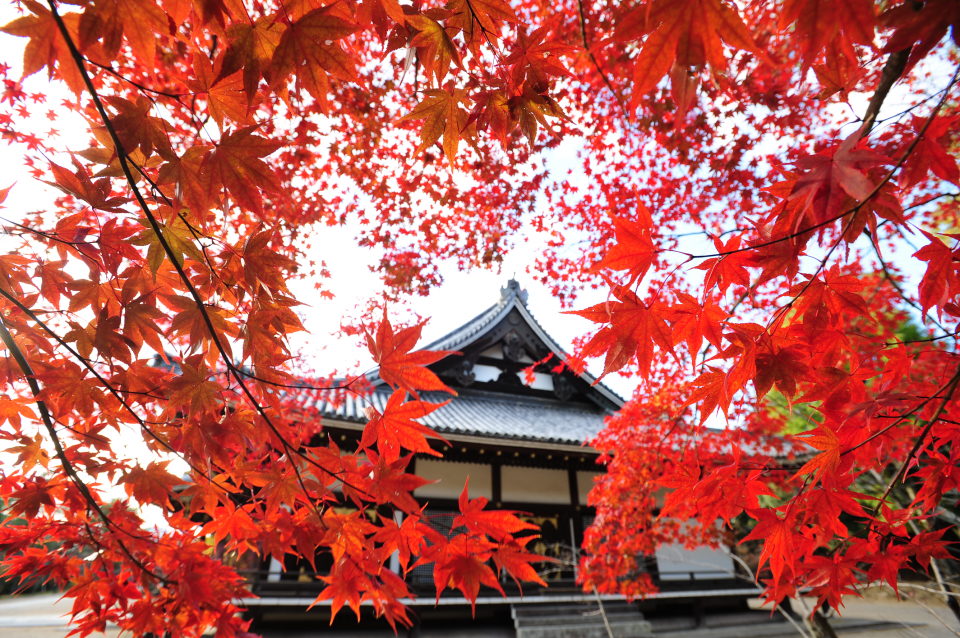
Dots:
pixel 779 363
pixel 140 318
pixel 886 566
pixel 309 48
pixel 635 328
pixel 396 428
pixel 31 452
pixel 838 74
pixel 79 184
pixel 512 557
pixel 681 483
pixel 34 494
pixel 380 13
pixel 440 110
pixel 235 164
pixel 11 409
pixel 434 46
pixel 136 127
pixel 930 155
pixel 251 49
pixel 46 47
pixel 230 521
pixel 830 174
pixel 832 577
pixel 401 368
pixel 463 565
pixel 693 321
pixel 688 32
pixel 820 22
pixel 834 294
pixel 634 251
pixel 468 15
pixel 390 484
pixel 823 508
pixel 344 585
pixel 194 388
pixel 920 28
pixel 777 536
pixel 264 266
pixel 405 538
pixel 112 21
pixel 346 533
pixel 152 484
pixel 825 463
pixel 533 60
pixel 927 545
pixel 497 524
pixel 225 95
pixel 939 280
pixel 728 268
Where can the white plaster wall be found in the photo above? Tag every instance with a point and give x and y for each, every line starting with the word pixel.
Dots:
pixel 585 484
pixel 534 485
pixel 676 562
pixel 451 478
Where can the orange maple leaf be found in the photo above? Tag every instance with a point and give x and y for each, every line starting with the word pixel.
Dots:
pixel 434 45
pixel 152 484
pixel 511 556
pixel 440 110
pixel 309 48
pixel 401 368
pixel 634 251
pixel 635 328
pixel 688 32
pixel 825 463
pixel 46 47
pixel 396 429
pixel 497 524
pixel 225 96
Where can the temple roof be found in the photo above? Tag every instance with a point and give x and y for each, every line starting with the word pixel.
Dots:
pixel 495 399
pixel 488 414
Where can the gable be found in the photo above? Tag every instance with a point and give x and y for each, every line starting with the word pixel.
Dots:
pixel 498 344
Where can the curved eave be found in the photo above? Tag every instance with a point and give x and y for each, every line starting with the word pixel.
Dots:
pixel 459 436
pixel 480 325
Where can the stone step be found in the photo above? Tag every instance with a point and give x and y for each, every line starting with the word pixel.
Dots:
pixel 539 610
pixel 576 619
pixel 629 629
pixel 582 620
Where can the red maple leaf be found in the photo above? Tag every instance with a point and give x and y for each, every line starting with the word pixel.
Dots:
pixel 401 368
pixel 396 428
pixel 634 251
pixel 496 524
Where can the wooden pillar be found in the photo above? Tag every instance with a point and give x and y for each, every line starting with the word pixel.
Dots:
pixel 496 485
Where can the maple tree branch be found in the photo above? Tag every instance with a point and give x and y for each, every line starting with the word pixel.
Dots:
pixel 903 295
pixel 906 154
pixel 99 377
pixel 68 468
pixel 586 47
pixel 892 70
pixel 116 74
pixel 158 231
pixel 923 434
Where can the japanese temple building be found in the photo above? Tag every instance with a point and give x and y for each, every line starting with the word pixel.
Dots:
pixel 523 447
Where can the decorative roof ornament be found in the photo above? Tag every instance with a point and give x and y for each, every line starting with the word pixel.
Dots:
pixel 513 289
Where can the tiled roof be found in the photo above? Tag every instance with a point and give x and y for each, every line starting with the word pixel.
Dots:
pixel 488 414
pixel 511 296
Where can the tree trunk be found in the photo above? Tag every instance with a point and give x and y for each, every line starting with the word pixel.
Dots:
pixel 820 627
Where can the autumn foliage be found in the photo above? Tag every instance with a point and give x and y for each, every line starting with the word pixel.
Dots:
pixel 221 130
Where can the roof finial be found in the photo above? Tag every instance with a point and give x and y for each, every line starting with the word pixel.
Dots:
pixel 513 289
